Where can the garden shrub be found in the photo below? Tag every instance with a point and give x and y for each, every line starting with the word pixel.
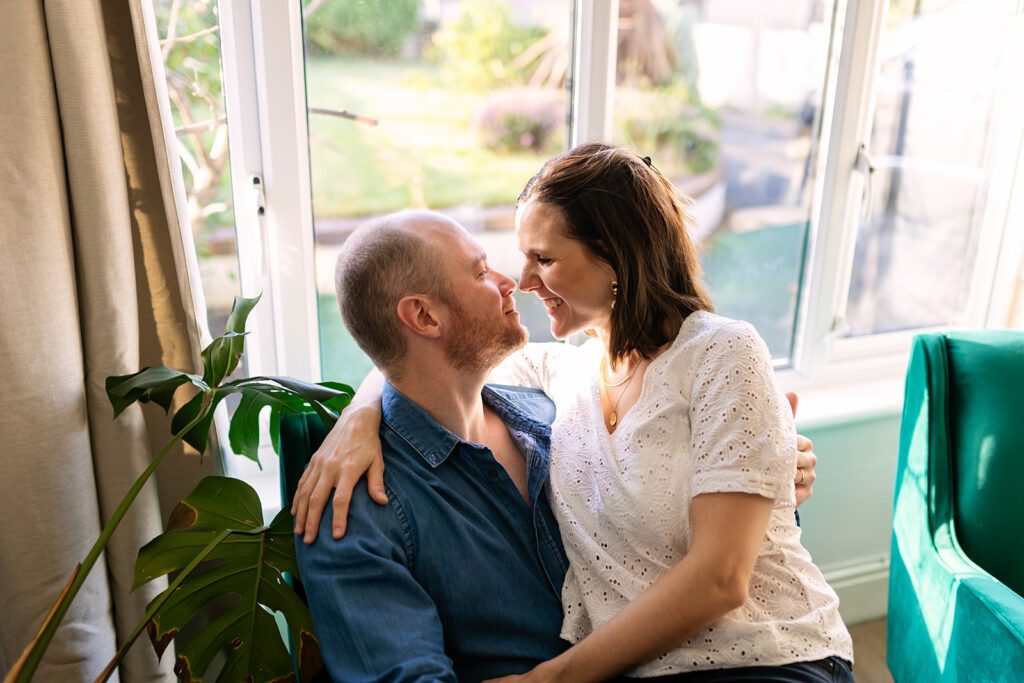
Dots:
pixel 520 120
pixel 478 49
pixel 683 136
pixel 362 27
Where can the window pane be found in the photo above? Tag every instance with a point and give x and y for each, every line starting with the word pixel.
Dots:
pixel 449 106
pixel 931 143
pixel 190 44
pixel 723 95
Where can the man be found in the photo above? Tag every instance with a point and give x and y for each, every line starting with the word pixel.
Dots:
pixel 459 576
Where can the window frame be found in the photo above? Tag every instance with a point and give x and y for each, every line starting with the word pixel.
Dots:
pixel 264 82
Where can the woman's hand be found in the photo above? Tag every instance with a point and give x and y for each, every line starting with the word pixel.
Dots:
pixel 545 672
pixel 806 460
pixel 351 449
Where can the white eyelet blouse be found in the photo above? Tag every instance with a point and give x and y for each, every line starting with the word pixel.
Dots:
pixel 709 419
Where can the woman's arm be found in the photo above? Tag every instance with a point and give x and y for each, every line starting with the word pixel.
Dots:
pixel 710 581
pixel 351 449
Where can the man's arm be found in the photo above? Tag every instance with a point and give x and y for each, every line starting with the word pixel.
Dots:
pixel 374 620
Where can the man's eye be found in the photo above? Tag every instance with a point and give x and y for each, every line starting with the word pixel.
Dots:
pixel 543 261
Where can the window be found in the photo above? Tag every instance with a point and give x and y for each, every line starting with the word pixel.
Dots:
pixel 934 127
pixel 853 164
pixel 443 106
pixel 190 46
pixel 724 97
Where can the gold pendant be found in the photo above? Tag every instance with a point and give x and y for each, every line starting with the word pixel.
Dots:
pixel 613 419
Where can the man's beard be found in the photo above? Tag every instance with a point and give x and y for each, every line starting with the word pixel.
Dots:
pixel 479 343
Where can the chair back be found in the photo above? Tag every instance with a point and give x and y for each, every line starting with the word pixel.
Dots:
pixel 301 434
pixel 985 416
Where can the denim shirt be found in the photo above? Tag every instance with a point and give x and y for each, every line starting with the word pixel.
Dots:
pixel 457 577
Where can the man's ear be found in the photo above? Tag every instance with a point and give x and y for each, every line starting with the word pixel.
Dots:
pixel 420 315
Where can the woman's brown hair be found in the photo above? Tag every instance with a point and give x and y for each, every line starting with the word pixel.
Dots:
pixel 630 216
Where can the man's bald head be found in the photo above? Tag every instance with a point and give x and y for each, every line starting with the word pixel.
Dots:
pixel 383 261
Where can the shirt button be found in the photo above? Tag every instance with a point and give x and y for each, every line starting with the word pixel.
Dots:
pixel 492 473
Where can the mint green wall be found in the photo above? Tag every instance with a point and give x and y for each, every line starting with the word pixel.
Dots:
pixel 846 523
pixel 849 515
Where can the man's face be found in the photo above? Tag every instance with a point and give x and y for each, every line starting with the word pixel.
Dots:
pixel 484 323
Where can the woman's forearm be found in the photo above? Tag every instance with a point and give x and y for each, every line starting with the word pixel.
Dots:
pixel 367 396
pixel 683 602
pixel 709 582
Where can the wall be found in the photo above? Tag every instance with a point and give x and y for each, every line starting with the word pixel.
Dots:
pixel 846 524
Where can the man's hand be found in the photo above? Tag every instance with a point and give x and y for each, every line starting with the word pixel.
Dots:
pixel 806 460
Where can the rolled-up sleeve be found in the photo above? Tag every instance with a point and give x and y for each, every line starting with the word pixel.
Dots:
pixel 375 622
pixel 742 435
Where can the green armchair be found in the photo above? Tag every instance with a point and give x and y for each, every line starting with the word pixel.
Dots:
pixel 956 611
pixel 299 437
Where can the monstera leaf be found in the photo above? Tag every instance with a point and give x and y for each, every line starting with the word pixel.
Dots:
pixel 218 544
pixel 156 384
pixel 281 395
pixel 242 558
pixel 278 394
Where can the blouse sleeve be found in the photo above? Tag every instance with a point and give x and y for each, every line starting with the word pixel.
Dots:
pixel 742 434
pixel 532 366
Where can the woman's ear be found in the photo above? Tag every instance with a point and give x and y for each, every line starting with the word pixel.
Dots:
pixel 419 314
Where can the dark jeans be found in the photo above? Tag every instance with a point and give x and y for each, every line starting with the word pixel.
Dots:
pixel 831 670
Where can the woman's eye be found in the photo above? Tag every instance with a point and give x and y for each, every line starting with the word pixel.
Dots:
pixel 484 273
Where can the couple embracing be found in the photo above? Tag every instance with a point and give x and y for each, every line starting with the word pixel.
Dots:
pixel 548 512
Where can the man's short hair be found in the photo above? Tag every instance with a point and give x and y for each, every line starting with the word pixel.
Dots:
pixel 383 261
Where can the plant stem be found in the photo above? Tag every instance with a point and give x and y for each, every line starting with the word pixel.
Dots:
pixel 42 641
pixel 119 655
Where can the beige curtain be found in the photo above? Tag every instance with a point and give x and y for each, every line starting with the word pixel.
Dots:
pixel 96 279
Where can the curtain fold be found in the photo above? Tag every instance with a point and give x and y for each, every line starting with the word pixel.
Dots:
pixel 97 279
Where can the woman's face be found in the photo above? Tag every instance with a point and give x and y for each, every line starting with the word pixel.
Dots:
pixel 574 285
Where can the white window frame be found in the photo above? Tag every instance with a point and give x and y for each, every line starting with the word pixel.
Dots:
pixel 264 86
pixel 265 89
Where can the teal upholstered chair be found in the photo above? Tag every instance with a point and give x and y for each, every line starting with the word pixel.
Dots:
pixel 956 611
pixel 300 435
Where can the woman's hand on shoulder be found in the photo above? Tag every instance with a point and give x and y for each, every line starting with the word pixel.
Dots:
pixel 352 448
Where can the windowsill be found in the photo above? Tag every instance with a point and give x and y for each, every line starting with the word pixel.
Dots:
pixel 847 403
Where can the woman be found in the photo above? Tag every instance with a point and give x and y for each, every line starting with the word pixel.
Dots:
pixel 670 467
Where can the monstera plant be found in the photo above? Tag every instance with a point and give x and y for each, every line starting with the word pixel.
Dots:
pixel 217 544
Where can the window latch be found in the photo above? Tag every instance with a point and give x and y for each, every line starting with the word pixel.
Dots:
pixel 866 166
pixel 259 200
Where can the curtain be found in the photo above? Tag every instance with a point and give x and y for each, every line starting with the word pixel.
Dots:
pixel 97 278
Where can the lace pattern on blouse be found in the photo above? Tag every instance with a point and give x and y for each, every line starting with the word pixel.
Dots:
pixel 709 419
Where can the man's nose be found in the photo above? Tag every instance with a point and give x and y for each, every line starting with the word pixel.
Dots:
pixel 506 285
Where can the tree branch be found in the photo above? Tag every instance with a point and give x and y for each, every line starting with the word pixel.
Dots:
pixel 313 6
pixel 167 42
pixel 344 114
pixel 172 27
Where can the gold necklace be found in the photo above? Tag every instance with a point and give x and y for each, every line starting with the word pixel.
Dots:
pixel 613 419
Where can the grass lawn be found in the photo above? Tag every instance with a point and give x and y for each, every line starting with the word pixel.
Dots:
pixel 424 152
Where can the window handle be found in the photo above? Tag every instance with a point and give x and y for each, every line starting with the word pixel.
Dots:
pixel 866 166
pixel 259 200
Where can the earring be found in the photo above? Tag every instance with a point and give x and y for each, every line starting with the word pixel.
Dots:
pixel 615 292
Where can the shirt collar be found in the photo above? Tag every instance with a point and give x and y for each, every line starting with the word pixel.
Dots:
pixel 434 442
